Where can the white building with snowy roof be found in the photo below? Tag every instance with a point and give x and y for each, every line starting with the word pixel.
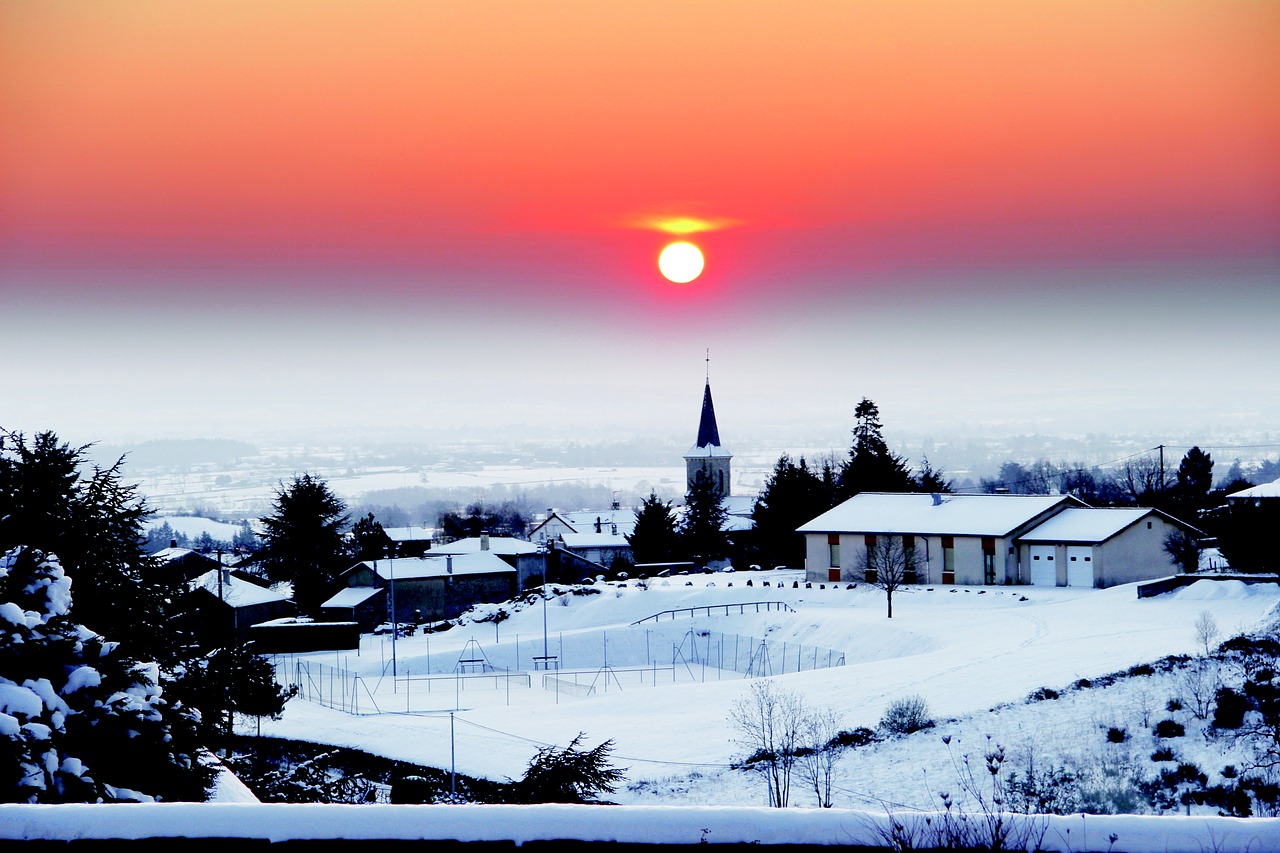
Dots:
pixel 1098 547
pixel 1044 540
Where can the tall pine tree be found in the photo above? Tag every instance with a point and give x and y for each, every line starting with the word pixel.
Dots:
pixel 702 536
pixel 791 496
pixel 655 538
pixel 51 499
pixel 303 542
pixel 871 466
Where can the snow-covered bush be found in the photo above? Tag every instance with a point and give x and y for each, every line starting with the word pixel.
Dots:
pixel 80 721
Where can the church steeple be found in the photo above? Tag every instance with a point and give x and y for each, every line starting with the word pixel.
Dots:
pixel 708 432
pixel 707 456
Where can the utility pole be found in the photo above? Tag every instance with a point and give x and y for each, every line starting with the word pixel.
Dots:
pixel 453 764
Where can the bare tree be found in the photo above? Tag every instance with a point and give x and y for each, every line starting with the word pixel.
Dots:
pixel 1206 632
pixel 816 761
pixel 888 565
pixel 1141 478
pixel 769 722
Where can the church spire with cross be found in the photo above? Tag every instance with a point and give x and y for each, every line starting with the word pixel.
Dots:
pixel 707 455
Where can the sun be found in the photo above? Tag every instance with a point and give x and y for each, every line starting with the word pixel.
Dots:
pixel 681 262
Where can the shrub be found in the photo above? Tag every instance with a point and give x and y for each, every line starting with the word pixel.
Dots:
pixel 1164 753
pixel 906 715
pixel 860 736
pixel 1230 708
pixel 1174 704
pixel 1042 694
pixel 1117 735
pixel 1169 729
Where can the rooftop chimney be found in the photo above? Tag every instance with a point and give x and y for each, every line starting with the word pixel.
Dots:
pixel 173 543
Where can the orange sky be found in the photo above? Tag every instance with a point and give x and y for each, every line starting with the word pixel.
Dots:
pixel 447 132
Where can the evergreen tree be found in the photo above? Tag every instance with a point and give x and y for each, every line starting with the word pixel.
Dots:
pixel 871 466
pixel 371 541
pixel 228 681
pixel 791 496
pixel 1192 483
pixel 86 721
pixel 655 538
pixel 702 536
pixel 303 542
pixel 94 523
pixel 932 479
pixel 570 775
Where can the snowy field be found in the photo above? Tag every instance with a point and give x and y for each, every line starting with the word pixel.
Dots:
pixel 974 656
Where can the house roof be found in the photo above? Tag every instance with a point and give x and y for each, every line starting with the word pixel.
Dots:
pixel 353 596
pixel 1266 490
pixel 496 545
pixel 1085 525
pixel 585 521
pixel 945 515
pixel 595 540
pixel 412 568
pixel 409 534
pixel 235 591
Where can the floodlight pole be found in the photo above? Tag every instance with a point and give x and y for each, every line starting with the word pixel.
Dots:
pixel 453 764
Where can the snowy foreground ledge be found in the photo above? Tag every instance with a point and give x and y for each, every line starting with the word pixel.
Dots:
pixel 664 825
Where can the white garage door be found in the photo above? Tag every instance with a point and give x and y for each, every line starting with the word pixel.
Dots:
pixel 1080 565
pixel 1044 571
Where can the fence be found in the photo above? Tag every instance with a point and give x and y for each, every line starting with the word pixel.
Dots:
pixel 329 686
pixel 720 610
pixel 751 656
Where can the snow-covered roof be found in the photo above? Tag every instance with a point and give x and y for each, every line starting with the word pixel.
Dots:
pixel 585 520
pixel 410 568
pixel 236 591
pixel 352 596
pixel 168 555
pixel 1266 490
pixel 595 540
pixel 710 451
pixel 1078 524
pixel 495 545
pixel 738 504
pixel 409 534
pixel 945 515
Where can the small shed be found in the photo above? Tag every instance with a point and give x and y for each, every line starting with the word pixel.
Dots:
pixel 364 605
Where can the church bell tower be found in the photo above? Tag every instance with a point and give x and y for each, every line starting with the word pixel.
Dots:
pixel 707 455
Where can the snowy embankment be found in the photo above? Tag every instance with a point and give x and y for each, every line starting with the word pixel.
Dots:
pixel 665 825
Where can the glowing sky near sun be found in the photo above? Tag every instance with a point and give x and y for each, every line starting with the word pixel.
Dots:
pixel 460 158
pixel 283 128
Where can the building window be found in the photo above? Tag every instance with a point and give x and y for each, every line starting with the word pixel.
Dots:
pixel 948 560
pixel 988 567
pixel 833 549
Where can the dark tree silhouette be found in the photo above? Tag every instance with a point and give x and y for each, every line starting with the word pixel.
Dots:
pixel 51 500
pixel 702 536
pixel 871 466
pixel 371 541
pixel 303 542
pixel 655 538
pixel 791 496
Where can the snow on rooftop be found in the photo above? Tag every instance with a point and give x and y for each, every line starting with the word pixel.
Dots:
pixel 409 568
pixel 495 545
pixel 1266 490
pixel 1078 524
pixel 711 451
pixel 352 596
pixel 946 515
pixel 409 534
pixel 235 591
pixel 595 540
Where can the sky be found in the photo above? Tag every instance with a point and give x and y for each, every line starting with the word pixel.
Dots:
pixel 676 743
pixel 235 219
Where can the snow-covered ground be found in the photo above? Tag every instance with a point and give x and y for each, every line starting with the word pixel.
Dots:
pixel 974 655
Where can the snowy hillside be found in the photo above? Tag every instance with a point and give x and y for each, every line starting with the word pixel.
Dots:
pixel 661 695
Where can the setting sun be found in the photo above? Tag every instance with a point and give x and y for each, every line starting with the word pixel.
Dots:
pixel 681 262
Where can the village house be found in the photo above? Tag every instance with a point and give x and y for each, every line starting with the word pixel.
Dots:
pixel 1044 540
pixel 425 589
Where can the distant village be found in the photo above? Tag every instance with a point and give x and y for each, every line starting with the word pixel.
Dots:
pixel 868 519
